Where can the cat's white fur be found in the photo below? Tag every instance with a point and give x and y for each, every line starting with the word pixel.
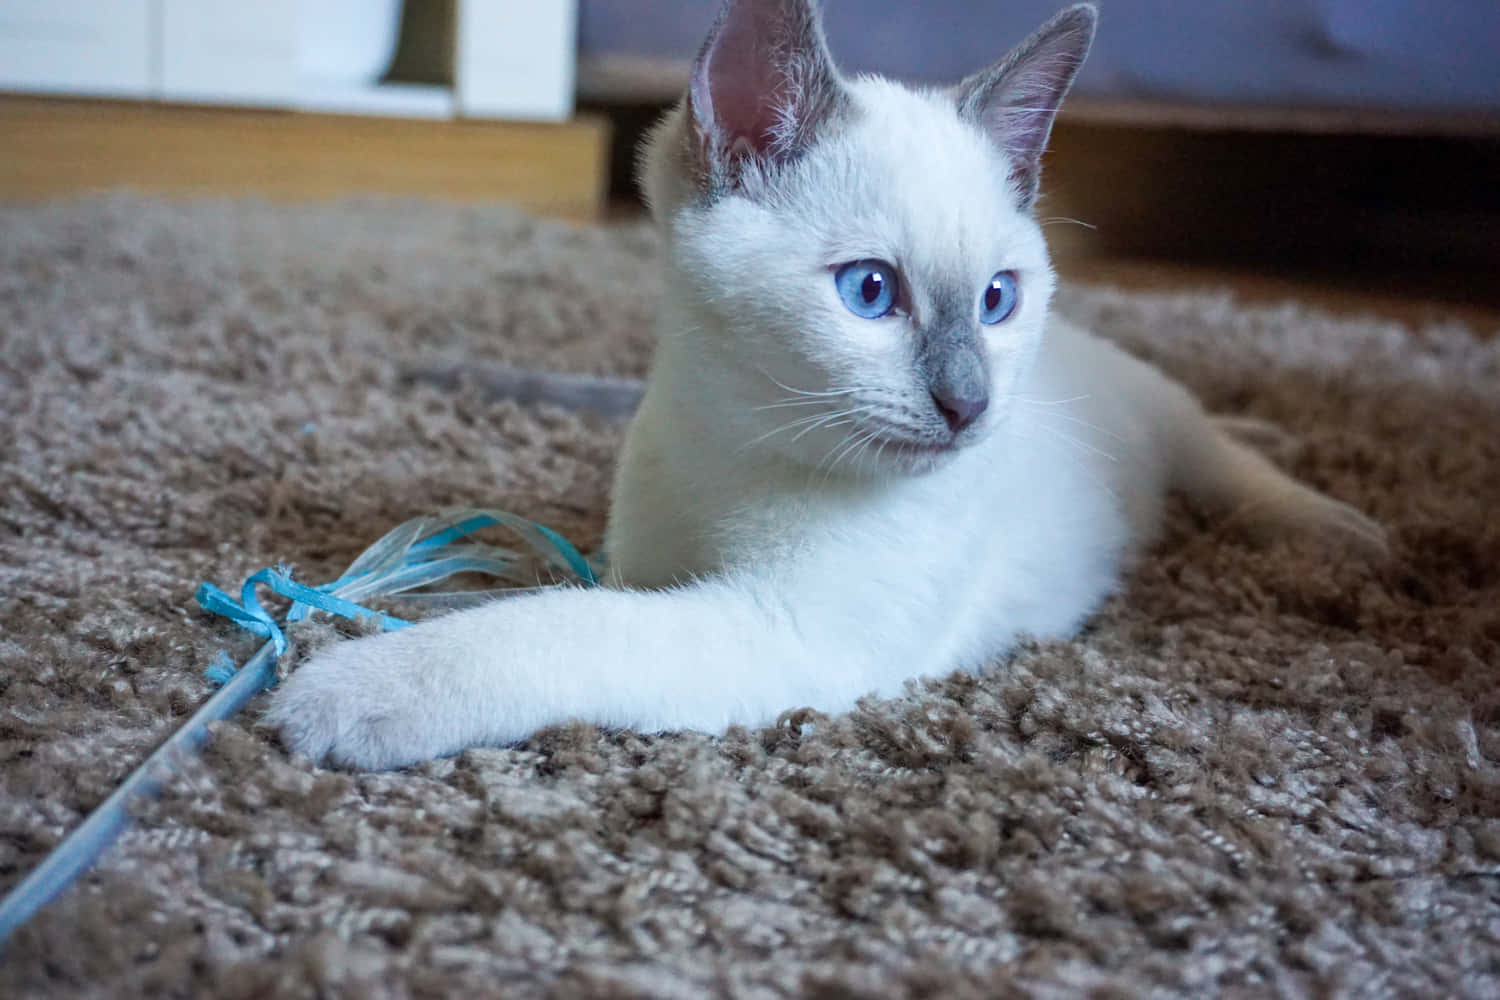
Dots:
pixel 766 552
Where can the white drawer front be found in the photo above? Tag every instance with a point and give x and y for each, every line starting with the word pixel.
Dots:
pixel 516 59
pixel 229 51
pixel 86 47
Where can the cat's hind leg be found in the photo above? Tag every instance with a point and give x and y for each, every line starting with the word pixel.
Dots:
pixel 1157 437
pixel 1213 463
pixel 1254 431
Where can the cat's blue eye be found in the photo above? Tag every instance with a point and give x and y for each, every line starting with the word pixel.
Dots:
pixel 868 287
pixel 999 298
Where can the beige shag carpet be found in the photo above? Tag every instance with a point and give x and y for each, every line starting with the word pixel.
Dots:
pixel 1258 772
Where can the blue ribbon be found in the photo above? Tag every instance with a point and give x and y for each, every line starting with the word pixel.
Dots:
pixel 248 613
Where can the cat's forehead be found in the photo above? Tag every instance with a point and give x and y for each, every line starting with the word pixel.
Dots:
pixel 908 175
pixel 908 131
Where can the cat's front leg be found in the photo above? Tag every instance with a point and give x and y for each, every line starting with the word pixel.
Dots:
pixel 699 657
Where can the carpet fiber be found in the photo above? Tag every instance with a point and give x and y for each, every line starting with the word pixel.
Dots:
pixel 1269 770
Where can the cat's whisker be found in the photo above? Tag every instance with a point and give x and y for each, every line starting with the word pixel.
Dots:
pixel 864 449
pixel 811 418
pixel 777 430
pixel 1058 219
pixel 826 466
pixel 780 404
pixel 826 457
pixel 1077 442
pixel 1078 463
pixel 801 392
pixel 848 419
pixel 1085 423
pixel 832 456
pixel 848 448
pixel 808 424
pixel 852 453
pixel 1023 398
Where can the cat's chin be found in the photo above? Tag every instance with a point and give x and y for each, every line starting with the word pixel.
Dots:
pixel 919 460
pixel 917 457
pixel 887 458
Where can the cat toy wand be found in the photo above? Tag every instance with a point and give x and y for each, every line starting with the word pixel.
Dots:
pixel 413 555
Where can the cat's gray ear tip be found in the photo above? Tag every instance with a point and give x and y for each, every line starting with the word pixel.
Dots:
pixel 1082 17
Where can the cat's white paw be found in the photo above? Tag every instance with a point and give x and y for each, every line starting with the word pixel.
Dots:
pixel 365 703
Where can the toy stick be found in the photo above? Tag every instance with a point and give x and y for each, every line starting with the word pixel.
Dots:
pixel 81 848
pixel 415 554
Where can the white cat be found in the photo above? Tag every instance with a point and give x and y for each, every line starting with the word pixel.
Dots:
pixel 866 452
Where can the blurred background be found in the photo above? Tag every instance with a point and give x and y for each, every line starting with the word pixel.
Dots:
pixel 1354 144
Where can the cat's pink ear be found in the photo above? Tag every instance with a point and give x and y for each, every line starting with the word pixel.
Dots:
pixel 1016 100
pixel 763 84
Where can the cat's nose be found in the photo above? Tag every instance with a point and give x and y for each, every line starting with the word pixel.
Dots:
pixel 958 409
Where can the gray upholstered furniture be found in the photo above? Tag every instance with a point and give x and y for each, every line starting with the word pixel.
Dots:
pixel 1414 57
